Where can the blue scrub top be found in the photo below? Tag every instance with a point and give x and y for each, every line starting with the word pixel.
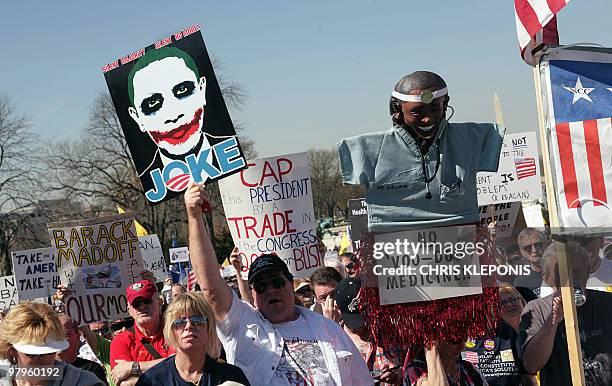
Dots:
pixel 389 165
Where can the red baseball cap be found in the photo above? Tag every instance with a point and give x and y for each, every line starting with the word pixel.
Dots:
pixel 141 289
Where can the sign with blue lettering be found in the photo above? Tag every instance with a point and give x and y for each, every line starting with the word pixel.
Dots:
pixel 173 115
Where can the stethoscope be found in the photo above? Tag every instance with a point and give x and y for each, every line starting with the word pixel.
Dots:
pixel 424 166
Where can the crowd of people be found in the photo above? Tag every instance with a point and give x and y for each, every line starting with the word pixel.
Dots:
pixel 270 328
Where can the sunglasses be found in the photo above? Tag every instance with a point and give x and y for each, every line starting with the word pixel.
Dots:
pixel 36 356
pixel 141 302
pixel 277 282
pixel 539 245
pixel 304 291
pixel 116 326
pixel 509 301
pixel 196 321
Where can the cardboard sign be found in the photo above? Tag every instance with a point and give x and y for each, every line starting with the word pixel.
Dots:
pixel 173 115
pixel 504 216
pixel 179 255
pixel 8 292
pixel 153 256
pixel 35 273
pixel 518 175
pixel 358 217
pixel 269 210
pixel 432 267
pixel 97 259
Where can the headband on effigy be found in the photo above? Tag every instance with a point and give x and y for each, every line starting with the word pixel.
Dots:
pixel 426 96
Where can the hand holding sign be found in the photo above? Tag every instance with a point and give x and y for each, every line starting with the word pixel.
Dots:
pixel 196 199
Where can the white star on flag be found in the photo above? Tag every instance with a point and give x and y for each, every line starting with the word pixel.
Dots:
pixel 580 92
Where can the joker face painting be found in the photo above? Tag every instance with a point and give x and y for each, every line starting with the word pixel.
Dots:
pixel 168 100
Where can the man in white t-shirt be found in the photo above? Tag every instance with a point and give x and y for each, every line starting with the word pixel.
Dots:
pixel 277 342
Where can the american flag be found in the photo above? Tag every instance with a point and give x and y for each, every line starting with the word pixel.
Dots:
pixel 191 280
pixel 471 357
pixel 580 93
pixel 536 24
pixel 525 167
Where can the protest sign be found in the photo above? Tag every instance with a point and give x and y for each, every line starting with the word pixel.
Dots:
pixel 153 256
pixel 269 210
pixel 532 211
pixel 504 216
pixel 96 259
pixel 427 264
pixel 35 273
pixel 173 115
pixel 179 255
pixel 8 292
pixel 518 175
pixel 358 218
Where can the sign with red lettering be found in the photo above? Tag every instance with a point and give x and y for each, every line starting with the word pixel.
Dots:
pixel 269 210
pixel 97 259
pixel 173 115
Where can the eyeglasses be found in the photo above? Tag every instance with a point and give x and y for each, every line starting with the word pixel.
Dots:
pixel 196 321
pixel 36 356
pixel 116 326
pixel 509 301
pixel 538 245
pixel 304 291
pixel 277 282
pixel 140 302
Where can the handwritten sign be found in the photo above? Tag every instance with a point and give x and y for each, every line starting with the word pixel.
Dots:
pixel 269 210
pixel 8 292
pixel 504 216
pixel 153 256
pixel 518 175
pixel 179 255
pixel 97 259
pixel 35 273
pixel 436 263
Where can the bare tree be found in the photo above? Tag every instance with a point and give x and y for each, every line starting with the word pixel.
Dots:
pixel 329 194
pixel 19 155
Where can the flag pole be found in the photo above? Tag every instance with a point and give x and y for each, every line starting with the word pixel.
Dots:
pixel 565 273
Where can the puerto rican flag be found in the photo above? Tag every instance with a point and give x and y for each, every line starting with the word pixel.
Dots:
pixel 579 91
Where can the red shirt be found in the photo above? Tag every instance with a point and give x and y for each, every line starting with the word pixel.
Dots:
pixel 128 346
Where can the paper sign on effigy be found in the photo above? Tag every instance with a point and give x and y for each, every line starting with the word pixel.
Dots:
pixel 153 256
pixel 518 175
pixel 173 115
pixel 427 264
pixel 358 217
pixel 35 273
pixel 269 210
pixel 8 292
pixel 97 259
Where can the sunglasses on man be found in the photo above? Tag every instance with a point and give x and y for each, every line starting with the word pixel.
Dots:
pixel 180 324
pixel 139 302
pixel 538 245
pixel 261 286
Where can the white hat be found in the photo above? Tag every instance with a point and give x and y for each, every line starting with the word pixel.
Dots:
pixel 48 347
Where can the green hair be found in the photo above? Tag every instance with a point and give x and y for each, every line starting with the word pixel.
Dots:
pixel 155 55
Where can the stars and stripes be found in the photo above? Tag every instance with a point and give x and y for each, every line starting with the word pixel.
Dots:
pixel 536 24
pixel 525 167
pixel 191 280
pixel 471 357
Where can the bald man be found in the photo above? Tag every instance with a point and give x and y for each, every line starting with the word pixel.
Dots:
pixel 422 171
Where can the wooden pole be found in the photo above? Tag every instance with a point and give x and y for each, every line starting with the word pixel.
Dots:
pixel 565 272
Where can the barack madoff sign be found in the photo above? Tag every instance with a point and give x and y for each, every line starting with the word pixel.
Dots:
pixel 97 259
pixel 518 175
pixel 8 292
pixel 269 210
pixel 35 273
pixel 358 218
pixel 153 256
pixel 427 264
pixel 173 115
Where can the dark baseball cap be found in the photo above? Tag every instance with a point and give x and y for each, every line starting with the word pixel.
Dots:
pixel 268 263
pixel 346 299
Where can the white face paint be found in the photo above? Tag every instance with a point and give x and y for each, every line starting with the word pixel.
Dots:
pixel 169 104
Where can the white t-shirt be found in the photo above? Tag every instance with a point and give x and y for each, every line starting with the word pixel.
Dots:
pixel 601 280
pixel 302 362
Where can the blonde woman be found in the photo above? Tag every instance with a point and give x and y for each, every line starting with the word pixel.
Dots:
pixel 30 336
pixel 190 329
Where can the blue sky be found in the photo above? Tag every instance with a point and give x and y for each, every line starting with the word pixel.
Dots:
pixel 315 71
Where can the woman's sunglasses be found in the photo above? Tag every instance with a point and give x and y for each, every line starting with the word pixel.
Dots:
pixel 180 324
pixel 277 282
pixel 509 301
